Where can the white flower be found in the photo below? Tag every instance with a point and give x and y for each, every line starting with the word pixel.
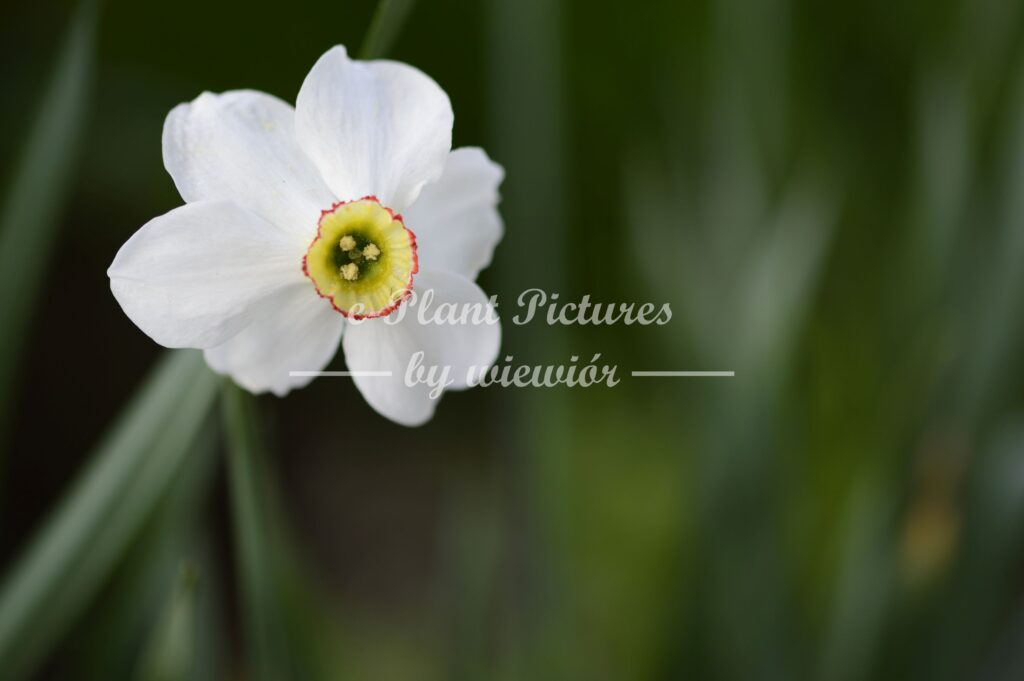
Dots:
pixel 296 219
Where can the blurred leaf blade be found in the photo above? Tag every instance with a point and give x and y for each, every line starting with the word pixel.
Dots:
pixel 252 533
pixel 39 188
pixel 289 633
pixel 864 587
pixel 98 518
pixel 170 652
pixel 387 22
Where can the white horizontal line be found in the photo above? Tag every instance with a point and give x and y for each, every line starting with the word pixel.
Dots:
pixel 677 374
pixel 339 373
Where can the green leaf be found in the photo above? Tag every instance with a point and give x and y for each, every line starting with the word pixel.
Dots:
pixel 865 584
pixel 289 631
pixel 39 188
pixel 96 521
pixel 170 653
pixel 253 534
pixel 387 22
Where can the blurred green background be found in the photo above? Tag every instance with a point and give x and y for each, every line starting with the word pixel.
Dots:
pixel 829 195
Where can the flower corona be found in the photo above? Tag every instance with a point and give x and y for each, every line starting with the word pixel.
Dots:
pixel 362 259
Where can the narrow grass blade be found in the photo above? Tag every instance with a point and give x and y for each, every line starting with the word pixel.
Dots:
pixel 39 188
pixel 528 135
pixel 289 631
pixel 865 585
pixel 253 534
pixel 387 22
pixel 170 652
pixel 100 516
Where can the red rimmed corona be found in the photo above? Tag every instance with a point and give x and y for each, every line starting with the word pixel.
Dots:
pixel 363 258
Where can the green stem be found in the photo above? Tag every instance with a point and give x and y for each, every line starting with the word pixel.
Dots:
pixel 250 499
pixel 170 651
pixel 387 21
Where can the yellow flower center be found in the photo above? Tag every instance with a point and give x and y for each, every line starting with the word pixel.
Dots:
pixel 363 258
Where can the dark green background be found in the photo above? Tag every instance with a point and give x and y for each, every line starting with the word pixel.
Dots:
pixel 829 195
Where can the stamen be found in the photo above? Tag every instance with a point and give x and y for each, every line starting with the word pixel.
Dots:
pixel 363 258
pixel 350 271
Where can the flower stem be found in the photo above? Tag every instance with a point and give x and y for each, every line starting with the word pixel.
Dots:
pixel 250 500
pixel 387 22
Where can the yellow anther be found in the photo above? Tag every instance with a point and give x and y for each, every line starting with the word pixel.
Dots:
pixel 350 272
pixel 362 255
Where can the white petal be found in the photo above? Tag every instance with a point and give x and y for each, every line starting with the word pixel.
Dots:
pixel 378 345
pixel 293 330
pixel 455 219
pixel 376 127
pixel 240 146
pixel 189 278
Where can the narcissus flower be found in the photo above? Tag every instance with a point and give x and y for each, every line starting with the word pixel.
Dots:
pixel 310 226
